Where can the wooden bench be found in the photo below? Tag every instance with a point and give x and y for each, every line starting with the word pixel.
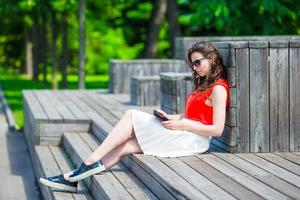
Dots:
pixel 145 90
pixel 120 71
pixel 212 175
pixel 264 102
pixel 48 114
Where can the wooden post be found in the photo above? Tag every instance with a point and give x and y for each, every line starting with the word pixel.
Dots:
pixel 294 96
pixel 259 97
pixel 279 97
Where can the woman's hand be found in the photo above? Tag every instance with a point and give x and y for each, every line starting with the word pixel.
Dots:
pixel 173 124
pixel 163 113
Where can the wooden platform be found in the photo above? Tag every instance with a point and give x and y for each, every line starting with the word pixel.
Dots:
pixel 213 175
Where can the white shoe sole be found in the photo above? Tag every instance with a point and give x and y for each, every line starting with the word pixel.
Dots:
pixel 87 174
pixel 58 186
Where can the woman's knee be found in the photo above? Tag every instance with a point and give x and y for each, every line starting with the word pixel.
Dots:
pixel 128 113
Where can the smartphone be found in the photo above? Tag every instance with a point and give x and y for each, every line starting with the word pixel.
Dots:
pixel 159 116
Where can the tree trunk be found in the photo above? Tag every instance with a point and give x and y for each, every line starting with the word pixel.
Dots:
pixel 174 27
pixel 64 83
pixel 35 49
pixel 44 46
pixel 81 73
pixel 157 18
pixel 53 52
pixel 29 61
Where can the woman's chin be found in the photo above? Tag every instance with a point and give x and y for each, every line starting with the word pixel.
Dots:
pixel 201 74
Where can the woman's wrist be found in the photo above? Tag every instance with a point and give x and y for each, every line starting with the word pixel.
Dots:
pixel 180 117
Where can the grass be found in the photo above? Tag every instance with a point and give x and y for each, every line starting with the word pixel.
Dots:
pixel 13 84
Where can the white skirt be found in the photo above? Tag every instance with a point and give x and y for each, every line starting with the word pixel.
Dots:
pixel 156 140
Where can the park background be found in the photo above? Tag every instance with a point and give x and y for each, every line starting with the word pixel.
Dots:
pixel 68 43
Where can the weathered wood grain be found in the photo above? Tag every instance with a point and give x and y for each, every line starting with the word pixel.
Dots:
pixel 272 168
pixel 223 181
pixel 207 187
pixel 259 98
pixel 279 159
pixel 260 174
pixel 242 178
pixel 279 99
pixel 294 99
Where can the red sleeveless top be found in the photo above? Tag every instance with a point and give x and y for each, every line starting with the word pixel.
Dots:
pixel 196 109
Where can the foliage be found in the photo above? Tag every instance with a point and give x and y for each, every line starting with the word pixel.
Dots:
pixel 117 28
pixel 241 17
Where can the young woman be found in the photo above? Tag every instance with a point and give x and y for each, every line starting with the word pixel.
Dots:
pixel 182 135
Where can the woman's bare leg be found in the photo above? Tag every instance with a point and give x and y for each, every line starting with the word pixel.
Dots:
pixel 110 159
pixel 129 147
pixel 120 133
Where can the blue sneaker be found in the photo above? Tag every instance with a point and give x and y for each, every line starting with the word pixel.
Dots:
pixel 60 183
pixel 84 171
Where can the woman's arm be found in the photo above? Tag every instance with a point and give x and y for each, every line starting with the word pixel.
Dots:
pixel 219 96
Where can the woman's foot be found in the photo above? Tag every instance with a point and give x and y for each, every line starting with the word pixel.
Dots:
pixel 84 171
pixel 60 183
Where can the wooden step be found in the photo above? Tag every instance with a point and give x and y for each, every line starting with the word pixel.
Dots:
pixel 117 183
pixel 50 161
pixel 167 176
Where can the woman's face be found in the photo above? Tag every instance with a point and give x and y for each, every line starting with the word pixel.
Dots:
pixel 200 64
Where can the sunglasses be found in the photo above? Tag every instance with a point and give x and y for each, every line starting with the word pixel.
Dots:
pixel 197 63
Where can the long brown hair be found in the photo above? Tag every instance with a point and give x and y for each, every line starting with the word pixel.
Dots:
pixel 217 71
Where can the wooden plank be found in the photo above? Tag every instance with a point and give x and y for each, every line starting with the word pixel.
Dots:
pixel 242 178
pixel 66 100
pixel 34 105
pixel 50 109
pixel 231 117
pixel 294 99
pixel 272 168
pixel 77 112
pixel 100 123
pixel 63 111
pixel 225 55
pixel 226 183
pixel 278 159
pixel 78 154
pixel 289 156
pixel 243 104
pixel 160 191
pixel 61 160
pixel 174 183
pixel 56 129
pixel 279 100
pixel 94 103
pixel 259 99
pixel 204 185
pixel 262 175
pixel 130 182
pixel 60 95
pixel 233 98
pixel 78 101
pixel 50 168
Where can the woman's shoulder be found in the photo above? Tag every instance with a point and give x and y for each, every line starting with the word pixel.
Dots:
pixel 222 82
